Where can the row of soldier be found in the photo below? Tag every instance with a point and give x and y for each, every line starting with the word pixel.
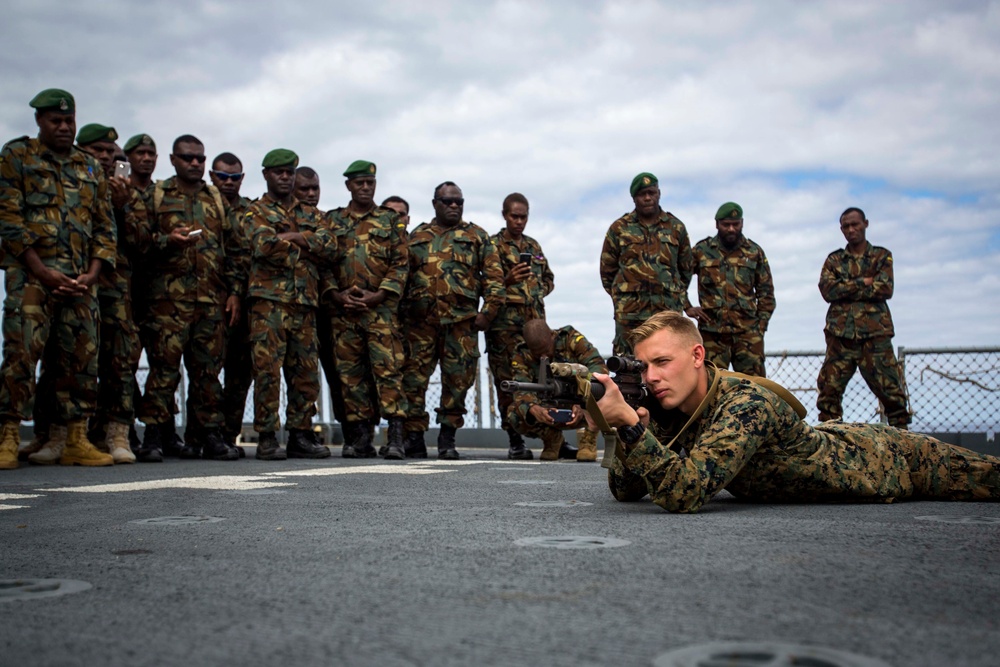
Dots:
pixel 197 273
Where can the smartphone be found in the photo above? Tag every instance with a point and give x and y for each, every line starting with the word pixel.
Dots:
pixel 195 232
pixel 525 258
pixel 561 416
pixel 123 169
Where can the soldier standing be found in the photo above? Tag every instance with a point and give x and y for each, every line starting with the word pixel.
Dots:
pixel 452 264
pixel 857 281
pixel 370 276
pixel 196 280
pixel 646 262
pixel 289 241
pixel 735 294
pixel 307 186
pixel 57 232
pixel 527 281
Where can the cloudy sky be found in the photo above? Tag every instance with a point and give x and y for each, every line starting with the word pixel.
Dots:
pixel 794 110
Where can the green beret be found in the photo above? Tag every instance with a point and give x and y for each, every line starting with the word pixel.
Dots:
pixel 94 132
pixel 360 168
pixel 729 210
pixel 280 157
pixel 53 98
pixel 643 180
pixel 139 140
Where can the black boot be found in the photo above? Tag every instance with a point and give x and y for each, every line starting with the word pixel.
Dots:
pixel 517 449
pixel 414 445
pixel 446 443
pixel 231 441
pixel 173 445
pixel 150 451
pixel 214 447
pixel 349 430
pixel 394 448
pixel 567 451
pixel 133 438
pixel 303 444
pixel 268 448
pixel 363 447
pixel 193 441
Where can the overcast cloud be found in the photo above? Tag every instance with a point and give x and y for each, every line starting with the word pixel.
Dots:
pixel 794 110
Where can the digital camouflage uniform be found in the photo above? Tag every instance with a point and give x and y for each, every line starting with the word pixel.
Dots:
pixel 737 294
pixel 60 206
pixel 186 295
pixel 570 347
pixel 238 367
pixel 859 332
pixel 284 293
pixel 524 301
pixel 450 269
pixel 368 345
pixel 646 269
pixel 751 443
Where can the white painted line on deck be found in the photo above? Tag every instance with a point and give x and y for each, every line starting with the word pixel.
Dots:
pixel 13 507
pixel 354 470
pixel 214 483
pixel 18 496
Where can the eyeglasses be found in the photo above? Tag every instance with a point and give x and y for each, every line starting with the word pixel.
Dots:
pixel 452 201
pixel 223 176
pixel 190 157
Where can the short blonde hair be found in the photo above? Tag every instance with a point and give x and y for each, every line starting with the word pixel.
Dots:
pixel 671 320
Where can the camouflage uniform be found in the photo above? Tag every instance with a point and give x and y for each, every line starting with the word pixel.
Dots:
pixel 284 292
pixel 60 207
pixel 368 345
pixel 737 294
pixel 450 269
pixel 751 443
pixel 524 301
pixel 859 332
pixel 571 347
pixel 187 291
pixel 238 367
pixel 645 269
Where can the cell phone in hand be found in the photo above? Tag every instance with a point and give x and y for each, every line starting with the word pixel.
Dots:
pixel 561 416
pixel 525 258
pixel 123 169
pixel 194 233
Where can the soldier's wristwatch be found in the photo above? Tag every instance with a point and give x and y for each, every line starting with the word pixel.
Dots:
pixel 630 435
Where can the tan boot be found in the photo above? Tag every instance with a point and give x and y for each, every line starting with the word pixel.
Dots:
pixel 52 450
pixel 117 443
pixel 553 439
pixel 79 450
pixel 10 438
pixel 586 440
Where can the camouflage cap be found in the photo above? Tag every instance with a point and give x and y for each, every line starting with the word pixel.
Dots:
pixel 94 132
pixel 642 181
pixel 139 140
pixel 53 98
pixel 360 168
pixel 280 157
pixel 730 210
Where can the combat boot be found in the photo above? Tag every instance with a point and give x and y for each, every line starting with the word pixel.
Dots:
pixel 192 443
pixel 363 447
pixel 414 445
pixel 52 451
pixel 303 444
pixel 446 443
pixel 36 444
pixel 150 451
pixel 395 449
pixel 587 441
pixel 553 442
pixel 349 429
pixel 116 441
pixel 517 449
pixel 214 447
pixel 268 448
pixel 10 438
pixel 79 451
pixel 97 434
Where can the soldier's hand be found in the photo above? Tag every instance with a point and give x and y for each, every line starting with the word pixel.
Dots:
pixel 696 313
pixel 349 300
pixel 541 415
pixel 119 191
pixel 518 273
pixel 868 281
pixel 59 283
pixel 371 299
pixel 578 416
pixel 613 406
pixel 233 309
pixel 481 323
pixel 179 236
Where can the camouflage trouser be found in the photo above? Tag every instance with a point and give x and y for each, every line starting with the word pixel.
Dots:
pixel 501 346
pixel 620 345
pixel 32 320
pixel 875 358
pixel 117 360
pixel 456 346
pixel 194 331
pixel 283 336
pixel 327 342
pixel 744 350
pixel 369 352
pixel 238 373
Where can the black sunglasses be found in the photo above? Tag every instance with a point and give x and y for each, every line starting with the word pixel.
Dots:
pixel 452 201
pixel 224 176
pixel 190 157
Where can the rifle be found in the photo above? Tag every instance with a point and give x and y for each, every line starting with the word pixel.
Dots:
pixel 562 388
